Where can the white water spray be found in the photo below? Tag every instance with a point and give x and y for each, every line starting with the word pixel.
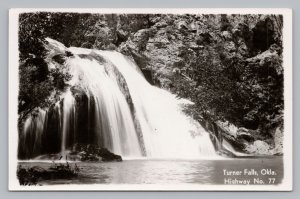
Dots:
pixel 164 130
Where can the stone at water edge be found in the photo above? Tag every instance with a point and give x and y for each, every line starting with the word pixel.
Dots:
pixel 93 153
pixel 258 148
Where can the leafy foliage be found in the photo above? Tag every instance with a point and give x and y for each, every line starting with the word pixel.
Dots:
pixel 37 81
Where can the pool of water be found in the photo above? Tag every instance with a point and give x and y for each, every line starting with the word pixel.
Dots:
pixel 173 171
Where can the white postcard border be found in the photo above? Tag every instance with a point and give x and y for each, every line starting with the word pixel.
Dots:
pixel 287 182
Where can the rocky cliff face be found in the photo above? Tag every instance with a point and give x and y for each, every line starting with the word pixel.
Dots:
pixel 158 42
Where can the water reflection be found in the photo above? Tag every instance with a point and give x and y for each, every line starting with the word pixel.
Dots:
pixel 165 171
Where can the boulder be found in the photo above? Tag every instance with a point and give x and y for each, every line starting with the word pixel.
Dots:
pixel 226 35
pixel 106 155
pixel 258 147
pixel 161 24
pixel 278 141
pixel 94 153
pixel 182 25
pixel 244 134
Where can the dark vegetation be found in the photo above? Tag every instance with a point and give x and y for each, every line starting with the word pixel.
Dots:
pixel 32 175
pixel 230 66
pixel 37 81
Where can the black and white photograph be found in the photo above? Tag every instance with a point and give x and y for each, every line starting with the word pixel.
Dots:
pixel 150 99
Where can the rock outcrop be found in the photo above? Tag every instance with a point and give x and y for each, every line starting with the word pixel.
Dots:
pixel 92 153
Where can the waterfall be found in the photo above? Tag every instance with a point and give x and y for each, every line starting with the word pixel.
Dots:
pixel 167 131
pixel 68 112
pixel 109 103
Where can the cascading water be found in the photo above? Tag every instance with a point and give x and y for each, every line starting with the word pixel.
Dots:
pixel 32 134
pixel 112 113
pixel 167 131
pixel 110 103
pixel 68 112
